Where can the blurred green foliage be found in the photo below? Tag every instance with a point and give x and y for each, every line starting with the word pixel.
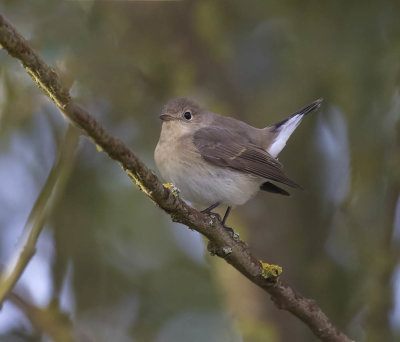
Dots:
pixel 135 276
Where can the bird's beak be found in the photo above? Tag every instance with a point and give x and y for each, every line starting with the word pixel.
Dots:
pixel 166 117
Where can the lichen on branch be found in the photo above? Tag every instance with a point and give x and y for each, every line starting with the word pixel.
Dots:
pixel 223 242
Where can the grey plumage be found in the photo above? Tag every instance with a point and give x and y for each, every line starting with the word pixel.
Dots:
pixel 217 159
pixel 239 154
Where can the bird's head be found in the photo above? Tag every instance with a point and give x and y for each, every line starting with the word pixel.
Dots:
pixel 182 113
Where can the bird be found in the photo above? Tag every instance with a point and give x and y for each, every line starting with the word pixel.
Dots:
pixel 217 160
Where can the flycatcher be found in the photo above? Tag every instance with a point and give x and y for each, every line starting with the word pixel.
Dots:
pixel 217 160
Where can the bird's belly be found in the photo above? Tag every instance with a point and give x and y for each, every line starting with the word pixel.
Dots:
pixel 204 187
pixel 203 184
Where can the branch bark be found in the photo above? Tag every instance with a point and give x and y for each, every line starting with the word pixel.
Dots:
pixel 222 242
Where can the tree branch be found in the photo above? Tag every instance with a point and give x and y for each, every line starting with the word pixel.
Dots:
pixel 222 243
pixel 47 199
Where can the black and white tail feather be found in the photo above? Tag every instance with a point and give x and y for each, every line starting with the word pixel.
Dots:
pixel 283 130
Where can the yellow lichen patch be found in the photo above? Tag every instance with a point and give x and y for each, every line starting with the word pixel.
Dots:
pixel 270 272
pixel 175 191
pixel 137 182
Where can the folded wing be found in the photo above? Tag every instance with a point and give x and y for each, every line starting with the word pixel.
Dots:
pixel 226 149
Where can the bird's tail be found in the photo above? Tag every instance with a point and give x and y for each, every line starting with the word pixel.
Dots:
pixel 282 130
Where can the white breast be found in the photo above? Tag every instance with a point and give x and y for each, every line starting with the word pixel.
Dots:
pixel 200 182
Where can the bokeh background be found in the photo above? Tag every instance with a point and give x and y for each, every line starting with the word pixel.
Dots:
pixel 110 266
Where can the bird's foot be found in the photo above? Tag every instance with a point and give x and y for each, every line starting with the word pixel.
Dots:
pixel 170 186
pixel 228 210
pixel 215 215
pixel 229 230
pixel 211 213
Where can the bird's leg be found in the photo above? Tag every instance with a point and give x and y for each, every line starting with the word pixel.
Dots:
pixel 229 229
pixel 228 210
pixel 211 207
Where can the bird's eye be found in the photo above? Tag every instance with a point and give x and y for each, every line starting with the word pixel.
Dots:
pixel 188 116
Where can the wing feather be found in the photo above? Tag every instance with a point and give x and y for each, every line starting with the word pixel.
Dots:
pixel 228 149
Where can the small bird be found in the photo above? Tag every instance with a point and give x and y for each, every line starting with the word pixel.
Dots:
pixel 217 160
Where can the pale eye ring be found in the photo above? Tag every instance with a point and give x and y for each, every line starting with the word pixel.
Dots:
pixel 187 115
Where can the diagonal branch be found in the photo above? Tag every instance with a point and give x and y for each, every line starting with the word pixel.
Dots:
pixel 222 242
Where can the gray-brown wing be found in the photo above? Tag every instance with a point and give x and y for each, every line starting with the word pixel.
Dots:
pixel 226 149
